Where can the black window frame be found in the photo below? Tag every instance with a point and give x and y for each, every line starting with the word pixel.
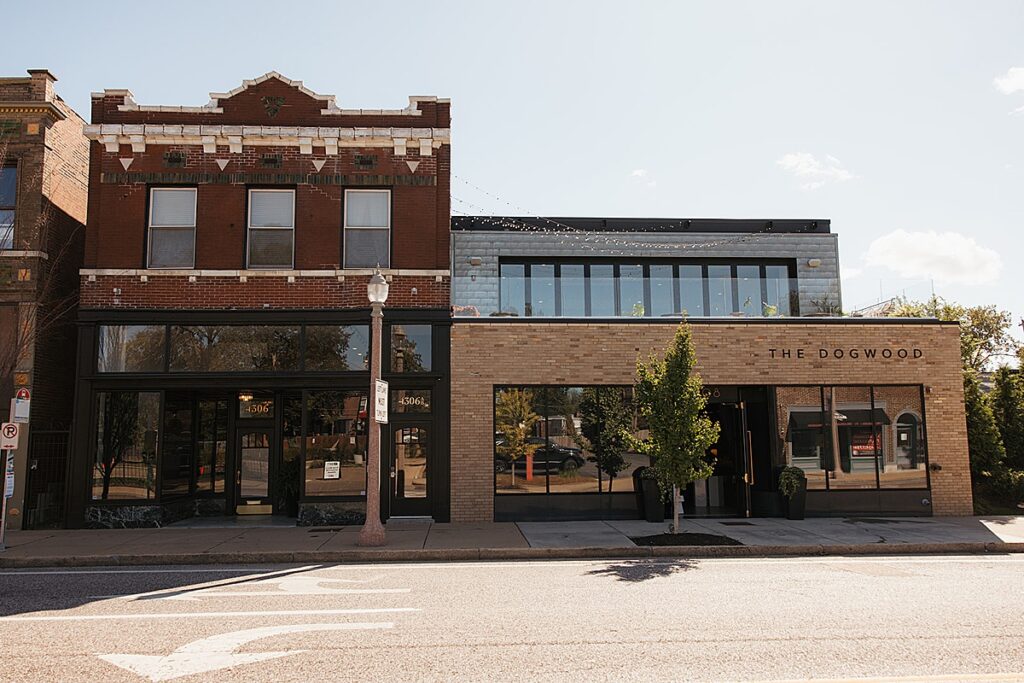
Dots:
pixel 13 208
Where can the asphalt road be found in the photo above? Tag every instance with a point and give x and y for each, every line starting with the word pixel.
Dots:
pixel 937 618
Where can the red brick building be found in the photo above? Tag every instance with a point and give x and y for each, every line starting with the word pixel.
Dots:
pixel 224 316
pixel 43 176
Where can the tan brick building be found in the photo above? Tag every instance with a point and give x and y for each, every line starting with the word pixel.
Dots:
pixel 871 409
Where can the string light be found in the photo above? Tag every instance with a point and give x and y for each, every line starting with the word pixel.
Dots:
pixel 591 239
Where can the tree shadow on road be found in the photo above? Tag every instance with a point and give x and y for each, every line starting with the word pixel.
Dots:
pixel 637 571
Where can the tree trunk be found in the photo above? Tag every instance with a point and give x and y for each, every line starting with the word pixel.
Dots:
pixel 675 509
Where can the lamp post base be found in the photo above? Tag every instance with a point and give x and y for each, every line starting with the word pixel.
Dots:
pixel 372 534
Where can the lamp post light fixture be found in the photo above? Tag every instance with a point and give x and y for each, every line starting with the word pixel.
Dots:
pixel 372 533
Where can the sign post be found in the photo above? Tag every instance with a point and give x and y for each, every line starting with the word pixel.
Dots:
pixel 8 444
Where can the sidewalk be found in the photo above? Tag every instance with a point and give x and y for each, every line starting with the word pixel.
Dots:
pixel 249 540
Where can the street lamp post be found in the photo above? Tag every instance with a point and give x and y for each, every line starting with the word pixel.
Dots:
pixel 372 533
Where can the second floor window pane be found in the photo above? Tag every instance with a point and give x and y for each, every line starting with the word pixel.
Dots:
pixel 172 227
pixel 271 228
pixel 8 199
pixel 367 228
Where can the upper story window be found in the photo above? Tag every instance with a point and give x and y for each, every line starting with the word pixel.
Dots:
pixel 648 289
pixel 172 227
pixel 367 237
pixel 8 199
pixel 271 228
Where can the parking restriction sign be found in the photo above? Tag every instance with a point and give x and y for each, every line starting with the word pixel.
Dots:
pixel 9 436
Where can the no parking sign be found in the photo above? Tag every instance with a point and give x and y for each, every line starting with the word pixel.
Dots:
pixel 9 436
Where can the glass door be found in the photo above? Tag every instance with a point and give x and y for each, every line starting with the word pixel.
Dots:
pixel 252 477
pixel 408 483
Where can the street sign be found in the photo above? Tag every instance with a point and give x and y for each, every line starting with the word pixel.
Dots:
pixel 9 436
pixel 20 406
pixel 9 476
pixel 380 402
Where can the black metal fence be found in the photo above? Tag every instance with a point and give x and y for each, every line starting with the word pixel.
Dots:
pixel 44 487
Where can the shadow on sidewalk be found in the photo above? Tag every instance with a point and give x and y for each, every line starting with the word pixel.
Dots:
pixel 636 571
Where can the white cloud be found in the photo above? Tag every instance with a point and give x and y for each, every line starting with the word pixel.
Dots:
pixel 849 272
pixel 948 257
pixel 1011 82
pixel 640 174
pixel 812 172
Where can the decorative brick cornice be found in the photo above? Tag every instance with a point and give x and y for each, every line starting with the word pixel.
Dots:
pixel 47 109
pixel 138 135
pixel 214 105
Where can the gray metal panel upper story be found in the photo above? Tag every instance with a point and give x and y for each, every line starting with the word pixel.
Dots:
pixel 479 243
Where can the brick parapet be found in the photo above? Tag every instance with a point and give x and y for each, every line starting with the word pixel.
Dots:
pixel 257 292
pixel 728 354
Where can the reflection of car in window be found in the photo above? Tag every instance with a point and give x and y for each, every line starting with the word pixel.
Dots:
pixel 547 457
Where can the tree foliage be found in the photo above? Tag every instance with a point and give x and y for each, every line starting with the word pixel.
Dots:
pixel 606 420
pixel 515 418
pixel 1007 401
pixel 983 440
pixel 671 396
pixel 984 330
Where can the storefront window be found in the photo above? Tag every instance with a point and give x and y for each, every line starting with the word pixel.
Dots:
pixel 335 443
pixel 176 454
pixel 410 401
pixel 127 429
pixel 131 348
pixel 904 465
pixel 561 440
pixel 212 446
pixel 234 348
pixel 410 348
pixel 337 348
pixel 854 438
pixel 256 405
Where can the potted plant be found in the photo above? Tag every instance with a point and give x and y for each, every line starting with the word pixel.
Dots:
pixel 654 501
pixel 288 486
pixel 793 485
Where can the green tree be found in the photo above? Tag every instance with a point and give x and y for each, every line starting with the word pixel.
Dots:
pixel 606 421
pixel 671 396
pixel 515 418
pixel 1007 401
pixel 984 330
pixel 983 441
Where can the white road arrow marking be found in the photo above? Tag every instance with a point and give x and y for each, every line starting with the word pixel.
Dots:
pixel 218 652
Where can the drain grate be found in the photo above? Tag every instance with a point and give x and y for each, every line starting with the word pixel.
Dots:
pixel 319 529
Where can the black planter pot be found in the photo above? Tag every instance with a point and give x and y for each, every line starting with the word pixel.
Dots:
pixel 638 491
pixel 654 507
pixel 796 505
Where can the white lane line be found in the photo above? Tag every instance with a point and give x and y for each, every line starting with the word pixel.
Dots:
pixel 197 615
pixel 69 572
pixel 203 593
pixel 944 678
pixel 184 592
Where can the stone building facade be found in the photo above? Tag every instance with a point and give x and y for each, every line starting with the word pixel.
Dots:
pixel 44 166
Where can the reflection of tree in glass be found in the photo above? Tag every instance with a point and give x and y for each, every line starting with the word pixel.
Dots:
pixel 119 422
pixel 514 419
pixel 404 357
pixel 327 347
pixel 145 350
pixel 333 419
pixel 229 348
pixel 606 421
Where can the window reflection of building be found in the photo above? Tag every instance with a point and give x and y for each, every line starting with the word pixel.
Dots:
pixel 336 433
pixel 854 437
pixel 410 348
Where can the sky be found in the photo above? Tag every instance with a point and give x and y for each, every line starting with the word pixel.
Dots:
pixel 902 122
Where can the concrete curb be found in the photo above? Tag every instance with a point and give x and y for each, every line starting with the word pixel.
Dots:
pixel 489 554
